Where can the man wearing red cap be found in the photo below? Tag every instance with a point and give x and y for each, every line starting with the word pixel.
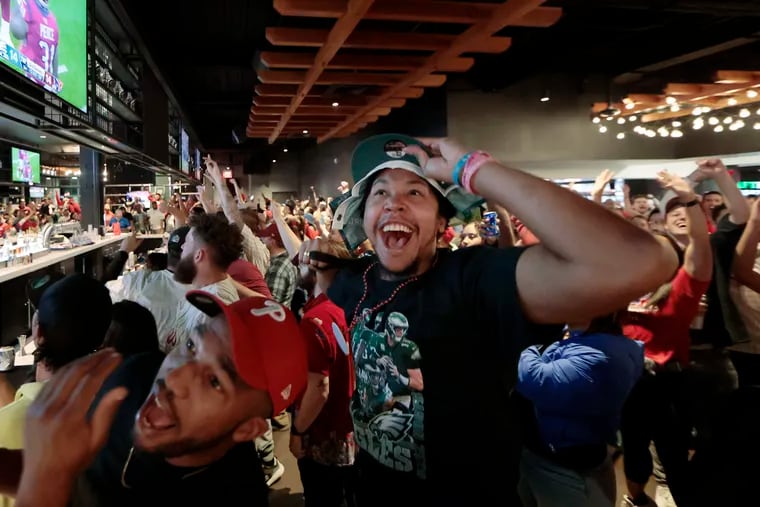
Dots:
pixel 281 276
pixel 184 438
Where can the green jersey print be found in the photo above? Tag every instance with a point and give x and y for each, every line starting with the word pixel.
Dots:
pixel 387 406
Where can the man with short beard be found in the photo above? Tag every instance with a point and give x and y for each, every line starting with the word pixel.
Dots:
pixel 182 433
pixel 211 245
pixel 470 313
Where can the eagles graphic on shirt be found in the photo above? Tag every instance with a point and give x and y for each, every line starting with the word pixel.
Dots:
pixel 387 406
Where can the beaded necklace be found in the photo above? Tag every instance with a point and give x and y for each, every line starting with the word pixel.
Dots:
pixel 365 279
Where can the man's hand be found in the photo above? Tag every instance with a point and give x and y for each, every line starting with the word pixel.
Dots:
pixel 601 182
pixel 60 440
pixel 130 243
pixel 710 169
pixel 212 170
pixel 445 154
pixel 680 186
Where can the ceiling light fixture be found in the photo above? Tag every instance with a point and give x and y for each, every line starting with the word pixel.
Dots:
pixel 335 104
pixel 305 131
pixel 43 137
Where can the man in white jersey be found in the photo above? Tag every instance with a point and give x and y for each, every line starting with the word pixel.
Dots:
pixel 211 245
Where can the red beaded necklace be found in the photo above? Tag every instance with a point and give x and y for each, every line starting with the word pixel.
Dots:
pixel 356 317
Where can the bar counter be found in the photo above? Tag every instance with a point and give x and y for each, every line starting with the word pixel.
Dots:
pixel 15 311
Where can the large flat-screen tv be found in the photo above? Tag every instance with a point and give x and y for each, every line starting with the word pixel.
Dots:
pixel 184 151
pixel 46 41
pixel 36 192
pixel 25 166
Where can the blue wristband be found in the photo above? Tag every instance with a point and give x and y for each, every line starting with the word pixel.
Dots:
pixel 457 174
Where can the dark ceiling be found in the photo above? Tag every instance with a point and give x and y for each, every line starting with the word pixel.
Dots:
pixel 206 50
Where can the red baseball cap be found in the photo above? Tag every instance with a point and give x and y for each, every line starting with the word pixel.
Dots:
pixel 268 349
pixel 271 231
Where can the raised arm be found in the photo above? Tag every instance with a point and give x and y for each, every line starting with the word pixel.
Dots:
pixel 746 252
pixel 229 204
pixel 589 261
pixel 735 202
pixel 602 180
pixel 698 259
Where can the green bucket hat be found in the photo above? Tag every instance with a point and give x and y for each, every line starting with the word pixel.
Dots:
pixel 375 154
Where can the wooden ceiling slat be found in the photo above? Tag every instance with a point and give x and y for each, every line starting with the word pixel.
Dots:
pixel 344 102
pixel 503 15
pixel 697 90
pixel 315 37
pixel 275 60
pixel 271 90
pixel 262 110
pixel 736 76
pixel 346 78
pixel 421 11
pixel 265 119
pixel 355 11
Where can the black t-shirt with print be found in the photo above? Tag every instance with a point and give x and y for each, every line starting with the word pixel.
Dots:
pixel 723 324
pixel 434 368
pixel 236 479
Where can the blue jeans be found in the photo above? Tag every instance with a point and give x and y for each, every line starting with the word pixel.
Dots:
pixel 546 484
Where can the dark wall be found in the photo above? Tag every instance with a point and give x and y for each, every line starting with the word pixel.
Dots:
pixel 120 173
pixel 325 165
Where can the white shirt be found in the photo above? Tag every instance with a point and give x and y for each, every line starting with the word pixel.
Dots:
pixel 156 219
pixel 157 291
pixel 254 250
pixel 188 317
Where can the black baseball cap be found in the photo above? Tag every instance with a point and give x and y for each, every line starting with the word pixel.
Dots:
pixel 176 240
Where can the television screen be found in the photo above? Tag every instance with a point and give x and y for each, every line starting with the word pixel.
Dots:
pixel 26 165
pixel 36 192
pixel 184 153
pixel 47 44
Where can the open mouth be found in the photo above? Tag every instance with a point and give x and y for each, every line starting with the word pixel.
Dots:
pixel 156 414
pixel 395 235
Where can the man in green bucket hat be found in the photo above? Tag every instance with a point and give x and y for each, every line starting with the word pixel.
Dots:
pixel 435 335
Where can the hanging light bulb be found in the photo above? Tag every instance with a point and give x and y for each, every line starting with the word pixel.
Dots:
pixel 713 120
pixel 696 111
pixel 732 101
pixel 676 133
pixel 751 94
pixel 602 129
pixel 621 121
pixel 718 128
pixel 744 113
pixel 676 124
pixel 756 126
pixel 670 100
pixel 633 118
pixel 621 135
pixel 728 120
pixel 595 119
pixel 630 105
pixel 698 124
pixel 675 108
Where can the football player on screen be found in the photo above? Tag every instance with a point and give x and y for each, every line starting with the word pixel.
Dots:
pixel 5 23
pixel 35 25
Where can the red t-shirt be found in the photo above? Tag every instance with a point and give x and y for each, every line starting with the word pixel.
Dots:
pixel 329 440
pixel 249 276
pixel 665 332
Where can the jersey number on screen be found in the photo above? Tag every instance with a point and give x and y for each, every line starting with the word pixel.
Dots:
pixel 49 56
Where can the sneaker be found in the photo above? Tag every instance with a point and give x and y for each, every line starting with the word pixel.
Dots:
pixel 281 422
pixel 628 502
pixel 274 473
